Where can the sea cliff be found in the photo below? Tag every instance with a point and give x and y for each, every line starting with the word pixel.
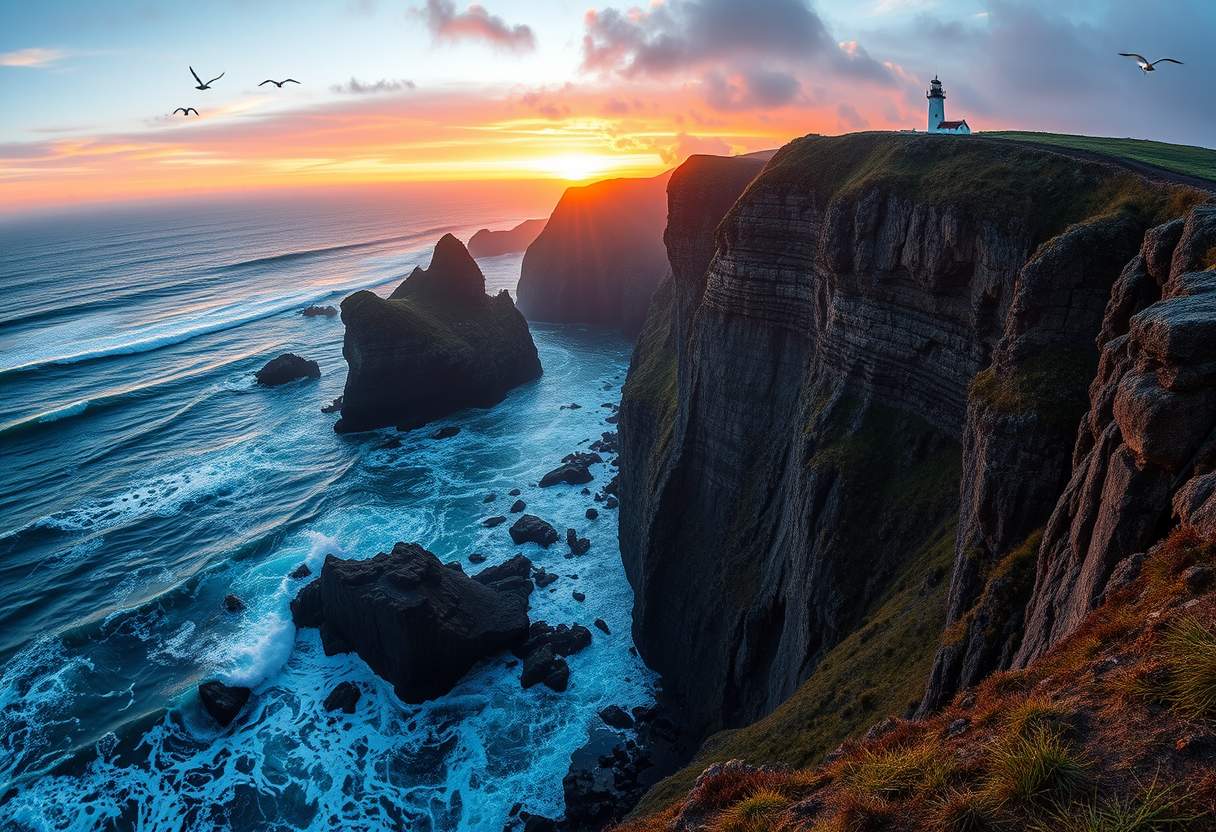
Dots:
pixel 879 357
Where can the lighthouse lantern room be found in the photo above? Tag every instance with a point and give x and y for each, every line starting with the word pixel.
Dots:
pixel 937 112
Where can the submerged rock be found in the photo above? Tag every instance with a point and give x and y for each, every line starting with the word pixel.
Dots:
pixel 332 407
pixel 233 604
pixel 343 698
pixel 518 506
pixel 531 529
pixel 223 702
pixel 318 311
pixel 445 433
pixel 417 624
pixel 615 716
pixel 286 368
pixel 301 571
pixel 436 345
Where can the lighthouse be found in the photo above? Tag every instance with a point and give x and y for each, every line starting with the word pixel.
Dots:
pixel 937 112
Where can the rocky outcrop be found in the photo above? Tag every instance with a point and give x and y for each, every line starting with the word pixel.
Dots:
pixel 437 344
pixel 862 324
pixel 600 255
pixel 286 368
pixel 487 243
pixel 417 623
pixel 223 702
pixel 1146 449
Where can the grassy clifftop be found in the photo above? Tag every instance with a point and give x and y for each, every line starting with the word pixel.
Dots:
pixel 1184 159
pixel 987 180
pixel 1111 730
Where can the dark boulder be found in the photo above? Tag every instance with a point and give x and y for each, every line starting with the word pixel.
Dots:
pixel 223 702
pixel 285 368
pixel 332 407
pixel 417 624
pixel 489 498
pixel 545 666
pixel 578 545
pixel 318 311
pixel 574 470
pixel 518 506
pixel 514 492
pixel 343 698
pixel 592 514
pixel 491 522
pixel 543 578
pixel 233 604
pixel 445 433
pixel 531 529
pixel 579 596
pixel 301 571
pixel 477 557
pixel 602 625
pixel 436 345
pixel 563 640
pixel 615 716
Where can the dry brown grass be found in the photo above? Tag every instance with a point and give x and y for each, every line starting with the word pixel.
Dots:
pixel 1097 736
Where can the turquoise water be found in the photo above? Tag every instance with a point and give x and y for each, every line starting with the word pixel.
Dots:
pixel 145 477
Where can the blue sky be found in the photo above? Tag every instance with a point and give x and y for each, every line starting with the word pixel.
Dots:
pixel 648 82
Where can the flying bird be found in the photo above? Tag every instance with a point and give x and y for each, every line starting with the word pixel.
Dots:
pixel 201 85
pixel 185 111
pixel 278 84
pixel 1145 64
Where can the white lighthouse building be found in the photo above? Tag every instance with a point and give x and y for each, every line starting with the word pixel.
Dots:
pixel 937 112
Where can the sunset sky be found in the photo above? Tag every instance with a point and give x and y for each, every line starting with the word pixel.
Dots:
pixel 447 90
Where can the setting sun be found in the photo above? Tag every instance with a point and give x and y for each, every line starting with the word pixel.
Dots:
pixel 576 166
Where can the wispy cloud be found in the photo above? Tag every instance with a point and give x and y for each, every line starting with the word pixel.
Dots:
pixel 356 87
pixel 476 24
pixel 32 58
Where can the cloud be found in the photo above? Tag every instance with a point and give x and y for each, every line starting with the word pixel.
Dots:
pixel 686 145
pixel 32 58
pixel 750 89
pixel 849 118
pixel 356 87
pixel 476 24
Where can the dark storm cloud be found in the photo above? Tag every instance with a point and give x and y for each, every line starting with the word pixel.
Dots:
pixel 752 89
pixel 476 23
pixel 684 35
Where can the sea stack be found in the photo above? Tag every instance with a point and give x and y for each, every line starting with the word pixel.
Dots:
pixel 437 344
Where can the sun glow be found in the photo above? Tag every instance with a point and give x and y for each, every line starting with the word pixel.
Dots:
pixel 576 166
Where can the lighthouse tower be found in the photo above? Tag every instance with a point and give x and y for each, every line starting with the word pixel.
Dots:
pixel 937 112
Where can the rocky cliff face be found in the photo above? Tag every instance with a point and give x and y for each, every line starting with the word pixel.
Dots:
pixel 877 318
pixel 600 256
pixel 1146 450
pixel 436 345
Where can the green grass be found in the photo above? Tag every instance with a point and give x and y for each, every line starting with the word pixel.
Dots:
pixel 1053 385
pixel 983 181
pixel 1155 808
pixel 1190 654
pixel 756 813
pixel 1185 159
pixel 1034 769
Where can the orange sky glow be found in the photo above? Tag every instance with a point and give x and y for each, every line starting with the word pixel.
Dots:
pixel 459 135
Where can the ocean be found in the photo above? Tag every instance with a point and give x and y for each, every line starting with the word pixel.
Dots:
pixel 145 477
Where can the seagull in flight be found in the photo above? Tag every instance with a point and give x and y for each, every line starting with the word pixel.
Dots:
pixel 201 85
pixel 185 111
pixel 278 84
pixel 1145 64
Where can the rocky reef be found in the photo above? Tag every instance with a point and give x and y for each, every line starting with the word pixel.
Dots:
pixel 878 357
pixel 487 243
pixel 437 344
pixel 417 623
pixel 600 255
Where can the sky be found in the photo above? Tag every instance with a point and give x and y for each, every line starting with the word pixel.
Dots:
pixel 444 90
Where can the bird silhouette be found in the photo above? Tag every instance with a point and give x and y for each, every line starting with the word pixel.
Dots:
pixel 201 85
pixel 185 111
pixel 278 84
pixel 1145 64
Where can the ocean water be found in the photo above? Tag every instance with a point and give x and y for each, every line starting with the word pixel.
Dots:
pixel 145 477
